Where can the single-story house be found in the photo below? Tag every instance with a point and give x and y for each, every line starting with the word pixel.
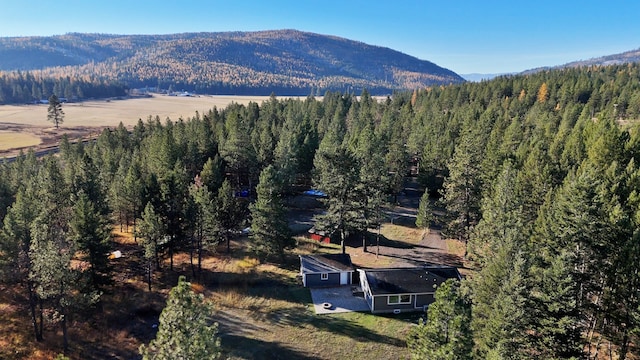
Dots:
pixel 324 270
pixel 396 290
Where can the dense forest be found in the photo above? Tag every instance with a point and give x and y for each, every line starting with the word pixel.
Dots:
pixel 286 62
pixel 537 175
pixel 29 87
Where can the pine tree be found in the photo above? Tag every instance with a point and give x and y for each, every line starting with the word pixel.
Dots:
pixel 56 282
pixel 212 174
pixel 152 230
pixel 15 245
pixel 133 188
pixel 186 330
pixel 270 233
pixel 338 176
pixel 91 233
pixel 570 257
pixel 425 211
pixel 499 288
pixel 463 188
pixel 174 194
pixel 54 112
pixel 396 162
pixel 288 150
pixel 236 149
pixel 502 218
pixel 369 154
pixel 499 309
pixel 204 219
pixel 446 334
pixel 228 215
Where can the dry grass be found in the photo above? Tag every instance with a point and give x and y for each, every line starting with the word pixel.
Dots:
pixel 14 139
pixel 102 113
pixel 410 235
pixel 24 126
pixel 455 247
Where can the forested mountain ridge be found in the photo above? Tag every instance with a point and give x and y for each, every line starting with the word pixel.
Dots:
pixel 631 56
pixel 287 62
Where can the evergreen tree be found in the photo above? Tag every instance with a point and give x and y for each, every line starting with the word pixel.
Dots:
pixel 372 174
pixel 15 245
pixel 228 215
pixel 204 218
pixel 152 230
pixel 212 174
pixel 91 233
pixel 133 188
pixel 425 211
pixel 463 188
pixel 446 334
pixel 338 176
pixel 572 236
pixel 56 282
pixel 396 161
pixel 54 112
pixel 172 207
pixel 236 149
pixel 499 288
pixel 6 196
pixel 270 233
pixel 288 151
pixel 186 330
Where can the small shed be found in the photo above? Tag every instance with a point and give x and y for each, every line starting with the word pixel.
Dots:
pixel 396 290
pixel 319 235
pixel 323 270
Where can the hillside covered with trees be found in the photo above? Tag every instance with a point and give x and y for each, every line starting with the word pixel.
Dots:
pixel 537 175
pixel 285 62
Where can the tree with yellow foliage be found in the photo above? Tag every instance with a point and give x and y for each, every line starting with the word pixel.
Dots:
pixel 543 93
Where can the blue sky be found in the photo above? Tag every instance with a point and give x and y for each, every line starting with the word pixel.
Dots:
pixel 466 36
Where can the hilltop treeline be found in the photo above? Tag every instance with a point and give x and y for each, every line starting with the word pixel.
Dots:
pixel 286 62
pixel 537 175
pixel 28 87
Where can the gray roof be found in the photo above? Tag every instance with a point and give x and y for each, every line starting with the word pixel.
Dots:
pixel 325 263
pixel 417 280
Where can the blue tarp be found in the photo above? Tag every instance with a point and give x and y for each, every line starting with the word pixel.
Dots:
pixel 243 193
pixel 314 192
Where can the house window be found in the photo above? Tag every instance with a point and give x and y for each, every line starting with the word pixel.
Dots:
pixel 324 276
pixel 399 299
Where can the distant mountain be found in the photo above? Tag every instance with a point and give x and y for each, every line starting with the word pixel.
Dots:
pixel 632 56
pixel 287 62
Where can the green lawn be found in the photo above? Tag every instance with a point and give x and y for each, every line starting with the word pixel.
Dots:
pixel 267 314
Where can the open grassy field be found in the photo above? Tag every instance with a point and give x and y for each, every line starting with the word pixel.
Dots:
pixel 100 113
pixel 26 125
pixel 15 139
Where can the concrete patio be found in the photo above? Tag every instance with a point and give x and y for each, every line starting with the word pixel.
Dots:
pixel 341 299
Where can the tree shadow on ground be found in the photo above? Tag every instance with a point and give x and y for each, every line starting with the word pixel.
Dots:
pixel 133 311
pixel 429 258
pixel 330 324
pixel 372 240
pixel 249 348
